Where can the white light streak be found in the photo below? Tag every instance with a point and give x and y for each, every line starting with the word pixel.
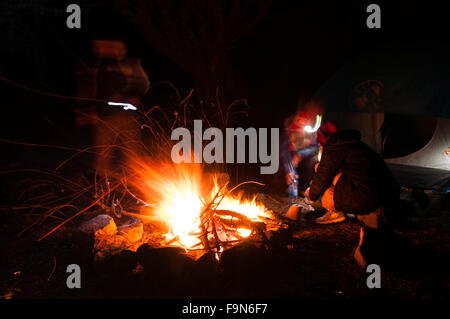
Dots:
pixel 310 129
pixel 126 106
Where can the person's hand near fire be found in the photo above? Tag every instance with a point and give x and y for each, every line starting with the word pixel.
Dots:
pixel 327 200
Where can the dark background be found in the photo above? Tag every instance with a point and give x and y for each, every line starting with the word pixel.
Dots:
pixel 291 53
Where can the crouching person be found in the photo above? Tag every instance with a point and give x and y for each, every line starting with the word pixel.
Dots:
pixel 351 178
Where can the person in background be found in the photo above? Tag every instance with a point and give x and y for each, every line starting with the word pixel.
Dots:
pixel 299 148
pixel 119 79
pixel 351 178
pixel 110 76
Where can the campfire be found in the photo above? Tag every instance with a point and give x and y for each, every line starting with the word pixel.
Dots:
pixel 181 204
pixel 198 211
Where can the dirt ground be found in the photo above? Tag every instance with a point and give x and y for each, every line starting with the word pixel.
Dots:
pixel 306 261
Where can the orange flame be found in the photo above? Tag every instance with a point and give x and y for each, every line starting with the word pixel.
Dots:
pixel 177 195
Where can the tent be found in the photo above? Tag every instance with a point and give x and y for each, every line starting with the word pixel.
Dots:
pixel 382 90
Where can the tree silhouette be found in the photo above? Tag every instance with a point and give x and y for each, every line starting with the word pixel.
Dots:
pixel 196 34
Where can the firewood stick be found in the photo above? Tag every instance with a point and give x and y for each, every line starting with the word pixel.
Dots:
pixel 216 236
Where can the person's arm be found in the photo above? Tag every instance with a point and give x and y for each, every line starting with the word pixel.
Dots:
pixel 308 151
pixel 328 168
pixel 285 154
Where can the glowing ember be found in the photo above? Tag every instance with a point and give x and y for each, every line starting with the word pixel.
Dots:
pixel 193 210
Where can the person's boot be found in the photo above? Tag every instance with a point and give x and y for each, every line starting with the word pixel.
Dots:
pixel 375 247
pixel 331 217
pixel 358 255
pixel 373 240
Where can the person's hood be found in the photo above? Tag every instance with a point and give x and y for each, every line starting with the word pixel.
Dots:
pixel 342 138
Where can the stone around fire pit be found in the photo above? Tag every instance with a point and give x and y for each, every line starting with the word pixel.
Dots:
pixel 99 226
pixel 132 230
pixel 110 239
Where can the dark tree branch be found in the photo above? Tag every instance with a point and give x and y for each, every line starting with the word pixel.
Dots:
pixel 195 34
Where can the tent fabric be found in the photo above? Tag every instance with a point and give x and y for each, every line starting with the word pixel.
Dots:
pixel 436 154
pixel 429 167
pixel 421 177
pixel 396 82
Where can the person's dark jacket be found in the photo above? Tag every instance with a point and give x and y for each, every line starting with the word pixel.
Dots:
pixel 366 182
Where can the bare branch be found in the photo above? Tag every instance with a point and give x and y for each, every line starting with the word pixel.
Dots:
pixel 139 15
pixel 238 23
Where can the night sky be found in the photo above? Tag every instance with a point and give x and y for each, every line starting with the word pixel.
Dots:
pixel 291 53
